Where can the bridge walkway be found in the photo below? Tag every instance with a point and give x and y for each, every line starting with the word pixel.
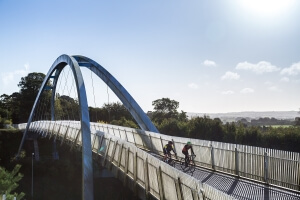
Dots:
pixel 239 188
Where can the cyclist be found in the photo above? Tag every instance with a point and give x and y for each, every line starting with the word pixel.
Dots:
pixel 185 151
pixel 167 150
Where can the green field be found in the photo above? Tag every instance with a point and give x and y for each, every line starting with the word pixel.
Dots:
pixel 279 126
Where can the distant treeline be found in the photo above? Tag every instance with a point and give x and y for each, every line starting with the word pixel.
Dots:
pixel 169 121
pixel 266 121
pixel 16 108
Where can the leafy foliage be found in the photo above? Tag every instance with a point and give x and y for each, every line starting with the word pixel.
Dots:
pixel 287 138
pixel 166 108
pixel 111 112
pixel 124 122
pixel 9 182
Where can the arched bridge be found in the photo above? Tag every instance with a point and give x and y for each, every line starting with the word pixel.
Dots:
pixel 224 171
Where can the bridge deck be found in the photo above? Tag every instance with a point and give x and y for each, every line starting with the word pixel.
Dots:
pixel 240 188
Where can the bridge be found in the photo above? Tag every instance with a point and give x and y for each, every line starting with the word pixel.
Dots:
pixel 224 171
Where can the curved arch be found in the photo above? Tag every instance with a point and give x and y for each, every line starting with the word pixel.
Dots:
pixel 131 105
pixel 87 165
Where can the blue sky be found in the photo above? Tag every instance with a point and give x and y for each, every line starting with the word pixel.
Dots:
pixel 211 56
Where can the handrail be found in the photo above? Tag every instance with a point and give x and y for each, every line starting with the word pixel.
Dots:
pixel 276 167
pixel 261 164
pixel 138 169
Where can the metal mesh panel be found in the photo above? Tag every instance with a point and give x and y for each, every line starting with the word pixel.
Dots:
pixel 283 168
pixel 169 187
pixel 116 156
pixel 140 171
pixel 122 165
pixel 122 133
pixel 251 162
pixel 138 140
pixel 130 136
pixel 130 163
pixel 153 182
pixel 186 192
pixel 156 144
pixel 110 148
pixel 146 140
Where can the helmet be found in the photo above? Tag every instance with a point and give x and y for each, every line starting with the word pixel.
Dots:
pixel 170 142
pixel 189 143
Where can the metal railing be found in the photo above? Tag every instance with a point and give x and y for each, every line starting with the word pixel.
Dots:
pixel 277 167
pixel 140 171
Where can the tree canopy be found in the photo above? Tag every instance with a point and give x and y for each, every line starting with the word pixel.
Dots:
pixel 9 182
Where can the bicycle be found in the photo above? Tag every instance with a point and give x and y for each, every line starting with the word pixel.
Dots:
pixel 169 160
pixel 191 165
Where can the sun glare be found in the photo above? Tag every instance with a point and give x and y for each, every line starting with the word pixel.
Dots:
pixel 267 7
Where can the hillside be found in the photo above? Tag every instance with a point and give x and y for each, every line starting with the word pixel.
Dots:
pixel 234 116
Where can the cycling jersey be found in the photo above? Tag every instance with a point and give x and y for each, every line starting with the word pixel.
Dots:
pixel 186 148
pixel 168 148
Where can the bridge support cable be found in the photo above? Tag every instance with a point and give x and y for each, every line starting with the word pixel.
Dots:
pixel 87 166
pixel 96 109
pixel 131 105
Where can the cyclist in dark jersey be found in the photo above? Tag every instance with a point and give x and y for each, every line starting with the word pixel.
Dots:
pixel 185 151
pixel 167 150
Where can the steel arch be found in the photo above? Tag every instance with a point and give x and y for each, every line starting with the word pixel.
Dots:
pixel 87 162
pixel 131 105
pixel 75 62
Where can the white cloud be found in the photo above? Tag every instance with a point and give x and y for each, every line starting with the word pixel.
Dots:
pixel 209 63
pixel 292 70
pixel 284 79
pixel 228 92
pixel 9 77
pixel 230 76
pixel 259 68
pixel 193 86
pixel 247 90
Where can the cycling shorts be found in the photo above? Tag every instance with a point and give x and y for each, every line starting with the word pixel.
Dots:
pixel 185 153
pixel 166 151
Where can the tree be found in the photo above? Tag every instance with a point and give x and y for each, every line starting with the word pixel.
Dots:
pixel 124 122
pixel 173 127
pixel 115 111
pixel 29 88
pixel 165 105
pixel 15 106
pixel 66 108
pixel 4 106
pixel 9 182
pixel 297 121
pixel 206 128
pixel 166 108
pixel 31 83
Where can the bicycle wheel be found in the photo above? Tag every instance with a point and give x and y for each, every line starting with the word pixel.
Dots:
pixel 192 166
pixel 182 164
pixel 171 162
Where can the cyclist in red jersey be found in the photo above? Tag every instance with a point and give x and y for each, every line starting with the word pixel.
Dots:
pixel 185 151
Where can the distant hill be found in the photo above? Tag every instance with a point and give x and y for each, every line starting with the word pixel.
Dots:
pixel 234 116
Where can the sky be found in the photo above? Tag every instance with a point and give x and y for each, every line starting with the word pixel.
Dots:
pixel 212 56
